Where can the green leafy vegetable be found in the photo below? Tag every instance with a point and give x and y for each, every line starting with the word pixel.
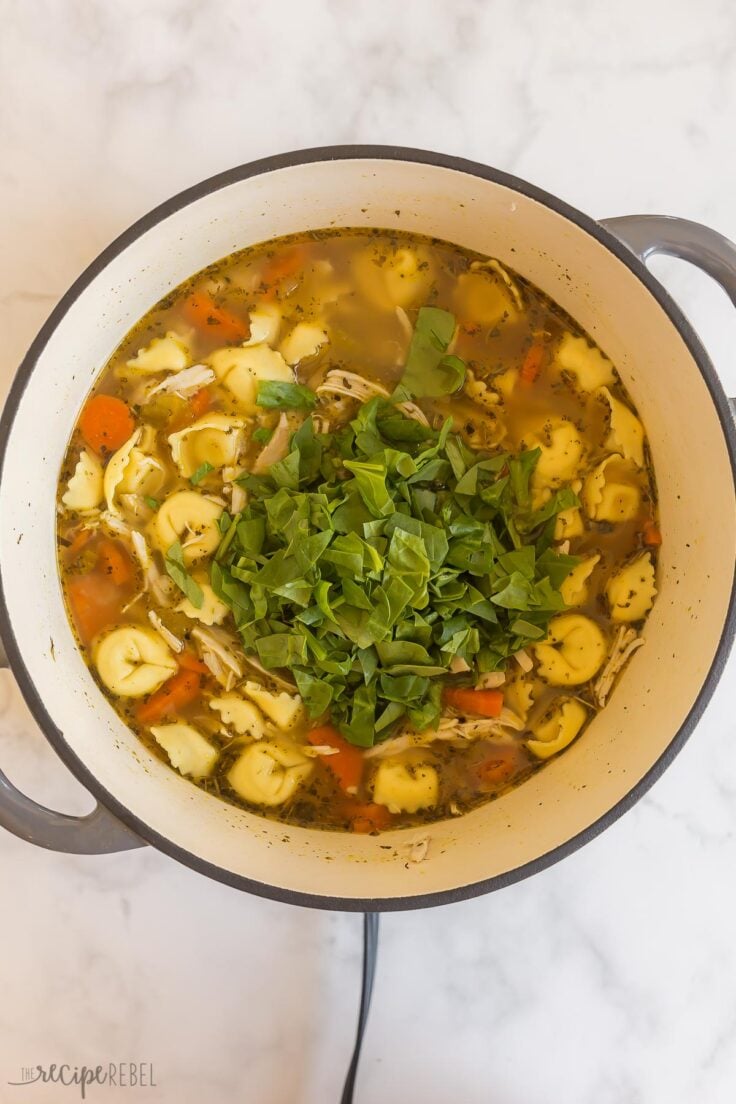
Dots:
pixel 369 559
pixel 202 471
pixel 174 563
pixel 262 435
pixel 280 395
pixel 430 371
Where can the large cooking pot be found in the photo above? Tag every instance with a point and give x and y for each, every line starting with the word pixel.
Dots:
pixel 596 272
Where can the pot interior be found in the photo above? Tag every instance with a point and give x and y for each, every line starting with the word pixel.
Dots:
pixel 657 691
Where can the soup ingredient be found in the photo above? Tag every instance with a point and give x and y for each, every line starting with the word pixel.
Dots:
pixel 610 493
pixel 210 443
pixel 558 729
pixel 481 703
pixel 626 433
pixel 573 651
pixel 189 518
pixel 368 817
pixel 84 490
pixel 241 716
pixel 631 591
pixel 346 764
pixel 651 534
pixel 164 354
pixel 188 750
pixel 201 310
pixel 285 710
pixel 133 661
pixel 95 603
pixel 533 362
pixel 407 783
pixel 106 423
pixel 178 692
pixel 115 562
pixel 269 772
pixel 590 368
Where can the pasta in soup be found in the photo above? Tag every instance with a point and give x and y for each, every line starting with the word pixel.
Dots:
pixel 357 530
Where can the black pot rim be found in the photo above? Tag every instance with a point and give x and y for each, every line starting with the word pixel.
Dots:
pixel 385 153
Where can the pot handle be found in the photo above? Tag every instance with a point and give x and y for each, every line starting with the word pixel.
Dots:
pixel 647 235
pixel 97 833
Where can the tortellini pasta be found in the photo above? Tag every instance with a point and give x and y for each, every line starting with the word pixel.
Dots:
pixel 589 366
pixel 285 710
pixel 164 354
pixel 240 715
pixel 305 340
pixel 191 518
pixel 211 612
pixel 573 651
pixel 519 695
pixel 399 280
pixel 609 493
pixel 562 453
pixel 133 661
pixel 85 488
pixel 569 523
pixel 575 588
pixel 188 750
pixel 269 772
pixel 484 298
pixel 631 591
pixel 215 439
pixel 265 323
pixel 558 728
pixel 626 433
pixel 241 368
pixel 406 783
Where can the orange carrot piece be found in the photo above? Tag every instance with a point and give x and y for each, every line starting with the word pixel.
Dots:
pixel 106 423
pixel 115 562
pixel 283 264
pixel 202 311
pixel 533 362
pixel 80 539
pixel 499 767
pixel 347 764
pixel 181 689
pixel 369 817
pixel 190 662
pixel 95 603
pixel 200 402
pixel 483 703
pixel 651 533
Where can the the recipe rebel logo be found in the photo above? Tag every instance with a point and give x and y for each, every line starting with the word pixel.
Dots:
pixel 118 1075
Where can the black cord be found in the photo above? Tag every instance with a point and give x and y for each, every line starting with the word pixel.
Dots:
pixel 370 955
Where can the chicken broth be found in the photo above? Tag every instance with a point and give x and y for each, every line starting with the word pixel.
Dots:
pixel 357 529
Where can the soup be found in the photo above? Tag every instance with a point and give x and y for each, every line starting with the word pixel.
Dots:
pixel 357 530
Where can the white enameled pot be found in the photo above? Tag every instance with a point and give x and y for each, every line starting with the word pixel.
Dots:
pixel 606 287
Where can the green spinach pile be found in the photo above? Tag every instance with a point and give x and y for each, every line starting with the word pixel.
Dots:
pixel 368 559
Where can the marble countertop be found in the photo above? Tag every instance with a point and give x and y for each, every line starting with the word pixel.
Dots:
pixel 610 978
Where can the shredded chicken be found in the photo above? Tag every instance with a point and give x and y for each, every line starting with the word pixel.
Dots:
pixel 173 641
pixel 458 665
pixel 405 323
pixel 239 499
pixel 479 391
pixel 624 645
pixel 276 449
pixel 418 849
pixel 185 382
pixel 491 680
pixel 524 660
pixel 221 644
pixel 314 750
pixel 338 382
pixel 453 730
pixel 412 411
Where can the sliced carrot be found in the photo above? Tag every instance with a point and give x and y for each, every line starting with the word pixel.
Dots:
pixel 115 562
pixel 181 689
pixel 347 763
pixel 283 264
pixel 106 423
pixel 95 603
pixel 202 311
pixel 368 817
pixel 499 767
pixel 651 534
pixel 533 362
pixel 200 402
pixel 484 703
pixel 190 662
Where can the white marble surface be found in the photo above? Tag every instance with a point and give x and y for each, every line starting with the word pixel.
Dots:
pixel 610 978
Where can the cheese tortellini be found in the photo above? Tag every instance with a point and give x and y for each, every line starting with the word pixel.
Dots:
pixel 164 354
pixel 304 341
pixel 626 433
pixel 211 612
pixel 191 518
pixel 558 728
pixel 406 783
pixel 402 279
pixel 215 439
pixel 609 493
pixel 573 651
pixel 265 323
pixel 241 368
pixel 269 772
pixel 589 366
pixel 85 488
pixel 484 298
pixel 562 453
pixel 285 710
pixel 188 750
pixel 575 588
pixel 631 591
pixel 133 661
pixel 240 715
